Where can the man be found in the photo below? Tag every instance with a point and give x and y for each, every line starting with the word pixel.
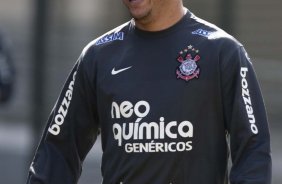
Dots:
pixel 6 71
pixel 163 90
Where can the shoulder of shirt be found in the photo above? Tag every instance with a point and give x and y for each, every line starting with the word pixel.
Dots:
pixel 91 50
pixel 116 34
pixel 210 32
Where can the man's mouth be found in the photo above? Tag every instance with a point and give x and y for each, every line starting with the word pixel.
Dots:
pixel 135 1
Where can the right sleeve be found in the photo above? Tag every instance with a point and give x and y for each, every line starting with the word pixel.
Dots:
pixel 71 130
pixel 245 118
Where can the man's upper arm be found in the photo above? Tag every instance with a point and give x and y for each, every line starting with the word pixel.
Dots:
pixel 246 120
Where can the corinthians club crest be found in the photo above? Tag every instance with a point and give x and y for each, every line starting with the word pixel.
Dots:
pixel 188 68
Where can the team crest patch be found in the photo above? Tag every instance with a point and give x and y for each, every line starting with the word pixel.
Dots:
pixel 188 59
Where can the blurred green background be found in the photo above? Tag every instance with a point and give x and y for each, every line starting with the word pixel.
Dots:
pixel 47 36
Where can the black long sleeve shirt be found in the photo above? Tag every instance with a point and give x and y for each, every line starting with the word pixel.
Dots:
pixel 164 103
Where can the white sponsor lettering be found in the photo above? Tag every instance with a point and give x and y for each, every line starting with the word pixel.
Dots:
pixel 129 134
pixel 111 37
pixel 153 130
pixel 247 100
pixel 154 147
pixel 126 109
pixel 63 109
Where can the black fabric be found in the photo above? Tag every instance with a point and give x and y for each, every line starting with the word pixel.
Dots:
pixel 165 103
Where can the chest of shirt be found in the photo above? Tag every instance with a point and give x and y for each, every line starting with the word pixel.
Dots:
pixel 175 70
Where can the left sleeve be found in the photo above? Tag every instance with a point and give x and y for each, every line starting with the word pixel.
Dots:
pixel 71 129
pixel 245 119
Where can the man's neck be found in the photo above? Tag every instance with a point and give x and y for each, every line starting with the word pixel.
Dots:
pixel 161 20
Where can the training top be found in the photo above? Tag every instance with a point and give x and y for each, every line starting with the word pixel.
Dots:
pixel 166 104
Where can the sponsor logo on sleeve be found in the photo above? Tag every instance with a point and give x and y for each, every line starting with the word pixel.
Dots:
pixel 63 109
pixel 110 37
pixel 202 32
pixel 152 136
pixel 247 100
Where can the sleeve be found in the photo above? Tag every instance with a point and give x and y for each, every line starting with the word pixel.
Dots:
pixel 246 120
pixel 71 130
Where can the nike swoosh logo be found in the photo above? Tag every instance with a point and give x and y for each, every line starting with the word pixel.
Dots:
pixel 114 71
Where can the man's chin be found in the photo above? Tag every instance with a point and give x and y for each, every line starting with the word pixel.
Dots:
pixel 140 16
